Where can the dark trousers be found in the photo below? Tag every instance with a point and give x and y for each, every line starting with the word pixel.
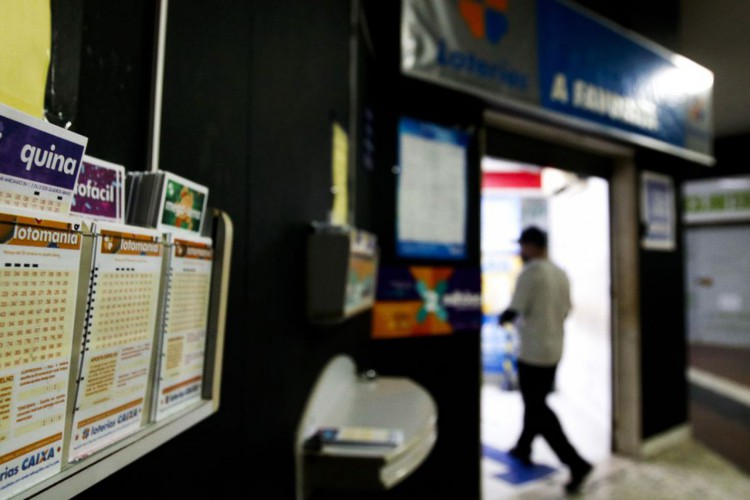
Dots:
pixel 538 419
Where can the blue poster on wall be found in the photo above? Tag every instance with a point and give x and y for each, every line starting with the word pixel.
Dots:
pixel 431 191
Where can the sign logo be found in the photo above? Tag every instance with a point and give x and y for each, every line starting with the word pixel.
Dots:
pixel 486 19
pixel 432 300
pixel 698 111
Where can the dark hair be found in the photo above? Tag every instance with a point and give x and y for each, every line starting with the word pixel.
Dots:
pixel 532 235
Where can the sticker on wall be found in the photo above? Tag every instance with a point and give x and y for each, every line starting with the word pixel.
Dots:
pixel 420 301
pixel 340 176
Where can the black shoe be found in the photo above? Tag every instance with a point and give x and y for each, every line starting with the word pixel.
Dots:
pixel 578 475
pixel 523 458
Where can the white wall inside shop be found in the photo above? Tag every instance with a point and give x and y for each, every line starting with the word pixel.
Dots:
pixel 577 219
pixel 579 242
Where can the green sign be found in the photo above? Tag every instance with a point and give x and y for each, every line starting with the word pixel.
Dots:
pixel 717 202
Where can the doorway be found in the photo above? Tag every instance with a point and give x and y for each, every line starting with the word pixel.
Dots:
pixel 574 210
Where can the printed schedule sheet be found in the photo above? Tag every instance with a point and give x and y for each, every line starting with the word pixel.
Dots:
pixel 39 269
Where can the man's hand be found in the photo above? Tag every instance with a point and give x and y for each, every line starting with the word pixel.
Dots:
pixel 508 316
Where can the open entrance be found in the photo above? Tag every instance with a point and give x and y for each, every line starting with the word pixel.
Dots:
pixel 573 209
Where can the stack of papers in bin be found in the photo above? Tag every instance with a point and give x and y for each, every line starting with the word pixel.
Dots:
pixel 344 437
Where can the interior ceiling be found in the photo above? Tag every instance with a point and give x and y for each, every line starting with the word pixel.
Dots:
pixel 716 34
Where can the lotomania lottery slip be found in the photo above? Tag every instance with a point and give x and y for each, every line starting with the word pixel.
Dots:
pixel 39 271
pixel 185 324
pixel 117 346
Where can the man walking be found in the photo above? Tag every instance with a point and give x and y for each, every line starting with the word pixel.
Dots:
pixel 540 304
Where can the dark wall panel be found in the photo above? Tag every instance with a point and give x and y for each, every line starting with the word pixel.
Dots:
pixel 204 138
pixel 250 91
pixel 730 152
pixel 663 342
pixel 299 82
pixel 448 367
pixel 663 334
pixel 114 91
pixel 658 21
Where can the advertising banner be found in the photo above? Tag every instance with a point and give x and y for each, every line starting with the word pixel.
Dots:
pixel 474 45
pixel 557 61
pixel 39 163
pixel 100 191
pixel 593 71
pixel 418 301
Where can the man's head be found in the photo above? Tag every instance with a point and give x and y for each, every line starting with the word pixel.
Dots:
pixel 533 243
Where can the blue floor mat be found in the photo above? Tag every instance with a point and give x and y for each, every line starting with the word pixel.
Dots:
pixel 517 473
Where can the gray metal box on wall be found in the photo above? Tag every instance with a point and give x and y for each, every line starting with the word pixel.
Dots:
pixel 341 273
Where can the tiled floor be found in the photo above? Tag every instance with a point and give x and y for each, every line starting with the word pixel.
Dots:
pixel 501 424
pixel 689 471
pixel 686 472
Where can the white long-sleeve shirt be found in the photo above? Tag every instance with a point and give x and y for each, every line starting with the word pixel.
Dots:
pixel 542 300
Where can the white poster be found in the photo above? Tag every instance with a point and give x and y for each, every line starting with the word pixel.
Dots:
pixel 39 269
pixel 122 318
pixel 431 199
pixel 657 212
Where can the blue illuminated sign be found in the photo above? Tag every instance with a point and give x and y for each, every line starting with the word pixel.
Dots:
pixel 553 59
pixel 589 70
